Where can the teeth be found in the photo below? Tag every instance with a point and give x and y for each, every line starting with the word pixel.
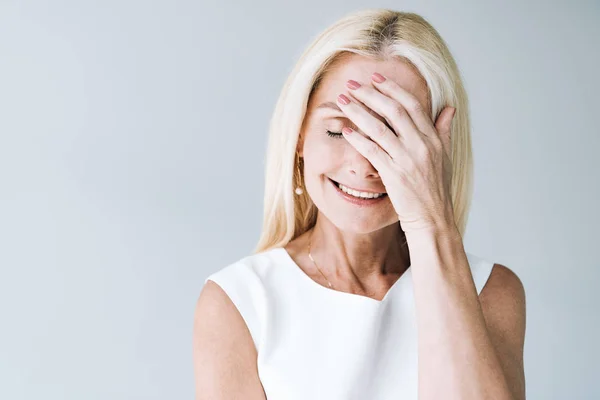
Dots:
pixel 363 195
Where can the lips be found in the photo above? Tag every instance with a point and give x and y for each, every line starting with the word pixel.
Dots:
pixel 358 190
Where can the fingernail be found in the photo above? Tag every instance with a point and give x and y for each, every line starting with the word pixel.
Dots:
pixel 353 84
pixel 343 99
pixel 378 77
pixel 347 130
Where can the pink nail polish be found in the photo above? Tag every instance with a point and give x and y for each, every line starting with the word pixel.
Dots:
pixel 378 77
pixel 352 84
pixel 343 99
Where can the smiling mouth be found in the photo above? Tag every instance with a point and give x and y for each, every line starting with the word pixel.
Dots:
pixel 358 193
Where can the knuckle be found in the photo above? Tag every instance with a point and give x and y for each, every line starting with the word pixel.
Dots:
pixel 398 112
pixel 381 130
pixel 372 149
pixel 416 106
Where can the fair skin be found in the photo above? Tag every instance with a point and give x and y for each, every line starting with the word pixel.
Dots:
pixel 362 247
pixel 470 346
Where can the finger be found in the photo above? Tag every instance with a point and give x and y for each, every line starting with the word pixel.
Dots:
pixel 392 111
pixel 369 149
pixel 443 126
pixel 374 128
pixel 411 104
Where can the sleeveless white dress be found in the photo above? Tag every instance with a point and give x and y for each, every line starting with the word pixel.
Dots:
pixel 316 343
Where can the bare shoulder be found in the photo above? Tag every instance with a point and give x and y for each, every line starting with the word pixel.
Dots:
pixel 503 304
pixel 503 291
pixel 223 350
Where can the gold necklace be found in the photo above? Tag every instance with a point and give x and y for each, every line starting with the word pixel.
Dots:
pixel 313 260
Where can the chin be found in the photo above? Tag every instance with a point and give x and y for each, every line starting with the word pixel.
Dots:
pixel 359 223
pixel 364 226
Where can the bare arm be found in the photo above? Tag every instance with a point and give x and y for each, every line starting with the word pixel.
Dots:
pixel 467 349
pixel 223 350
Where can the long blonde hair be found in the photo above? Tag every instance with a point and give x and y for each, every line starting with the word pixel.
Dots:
pixel 378 34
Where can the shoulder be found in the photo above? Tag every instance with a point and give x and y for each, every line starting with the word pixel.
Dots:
pixel 242 288
pixel 503 290
pixel 503 301
pixel 251 267
pixel 224 354
pixel 222 294
pixel 503 305
pixel 215 312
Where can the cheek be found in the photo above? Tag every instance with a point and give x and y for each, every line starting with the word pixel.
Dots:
pixel 324 161
pixel 324 154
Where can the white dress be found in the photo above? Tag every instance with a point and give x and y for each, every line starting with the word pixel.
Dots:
pixel 316 343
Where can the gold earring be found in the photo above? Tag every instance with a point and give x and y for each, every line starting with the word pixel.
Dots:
pixel 298 189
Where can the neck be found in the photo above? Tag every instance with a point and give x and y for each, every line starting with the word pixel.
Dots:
pixel 362 256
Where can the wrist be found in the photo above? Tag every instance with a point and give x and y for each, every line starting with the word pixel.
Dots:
pixel 434 232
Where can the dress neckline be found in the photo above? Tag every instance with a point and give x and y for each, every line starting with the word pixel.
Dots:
pixel 289 261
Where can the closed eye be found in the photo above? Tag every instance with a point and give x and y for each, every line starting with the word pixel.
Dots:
pixel 335 134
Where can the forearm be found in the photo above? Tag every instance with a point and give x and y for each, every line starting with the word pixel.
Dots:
pixel 456 357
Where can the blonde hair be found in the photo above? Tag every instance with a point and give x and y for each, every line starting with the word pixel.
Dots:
pixel 378 34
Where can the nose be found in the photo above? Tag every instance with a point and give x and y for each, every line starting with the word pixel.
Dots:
pixel 359 166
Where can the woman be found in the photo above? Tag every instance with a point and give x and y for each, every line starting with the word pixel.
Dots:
pixel 360 287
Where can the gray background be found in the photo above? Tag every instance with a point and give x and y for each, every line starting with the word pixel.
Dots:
pixel 131 167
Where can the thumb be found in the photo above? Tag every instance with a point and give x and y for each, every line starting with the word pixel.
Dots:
pixel 443 124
